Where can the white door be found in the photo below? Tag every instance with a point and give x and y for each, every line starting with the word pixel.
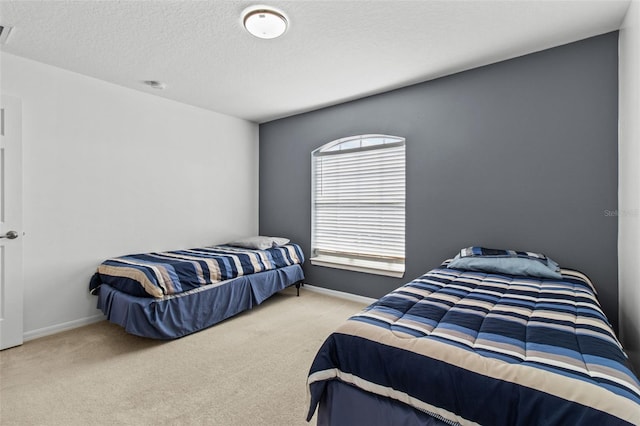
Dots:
pixel 10 222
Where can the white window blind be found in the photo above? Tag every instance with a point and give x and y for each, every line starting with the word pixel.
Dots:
pixel 358 204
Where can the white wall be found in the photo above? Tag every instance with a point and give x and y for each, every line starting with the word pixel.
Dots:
pixel 110 171
pixel 629 184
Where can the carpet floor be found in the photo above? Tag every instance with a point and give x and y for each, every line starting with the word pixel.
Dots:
pixel 248 370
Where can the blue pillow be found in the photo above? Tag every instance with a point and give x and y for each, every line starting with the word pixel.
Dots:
pixel 506 262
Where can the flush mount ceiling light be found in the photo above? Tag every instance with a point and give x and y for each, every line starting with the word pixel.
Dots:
pixel 264 22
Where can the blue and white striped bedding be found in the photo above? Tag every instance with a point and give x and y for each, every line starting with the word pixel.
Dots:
pixel 476 348
pixel 161 274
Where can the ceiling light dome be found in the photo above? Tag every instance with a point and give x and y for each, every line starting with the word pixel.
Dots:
pixel 264 22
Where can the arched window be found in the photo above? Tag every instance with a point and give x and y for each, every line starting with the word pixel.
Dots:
pixel 358 204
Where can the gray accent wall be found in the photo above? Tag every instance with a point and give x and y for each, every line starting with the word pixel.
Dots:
pixel 521 154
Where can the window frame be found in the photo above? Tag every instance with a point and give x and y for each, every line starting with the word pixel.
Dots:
pixel 393 266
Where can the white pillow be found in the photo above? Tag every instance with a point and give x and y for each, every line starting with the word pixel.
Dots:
pixel 259 242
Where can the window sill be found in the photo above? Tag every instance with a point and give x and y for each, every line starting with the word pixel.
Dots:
pixel 369 267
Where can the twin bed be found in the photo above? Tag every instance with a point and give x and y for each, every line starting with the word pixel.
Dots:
pixel 167 295
pixel 491 338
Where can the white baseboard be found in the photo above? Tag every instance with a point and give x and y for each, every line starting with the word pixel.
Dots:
pixel 340 294
pixel 46 331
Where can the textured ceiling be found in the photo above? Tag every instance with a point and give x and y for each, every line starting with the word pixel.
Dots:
pixel 333 51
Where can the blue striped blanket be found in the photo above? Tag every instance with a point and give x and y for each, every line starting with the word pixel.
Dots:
pixel 164 273
pixel 476 348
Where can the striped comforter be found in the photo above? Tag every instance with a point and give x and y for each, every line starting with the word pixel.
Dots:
pixel 171 272
pixel 475 348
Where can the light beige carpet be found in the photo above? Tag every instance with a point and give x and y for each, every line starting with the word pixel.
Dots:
pixel 248 370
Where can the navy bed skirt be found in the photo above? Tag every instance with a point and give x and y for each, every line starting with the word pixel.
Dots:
pixel 345 405
pixel 181 314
